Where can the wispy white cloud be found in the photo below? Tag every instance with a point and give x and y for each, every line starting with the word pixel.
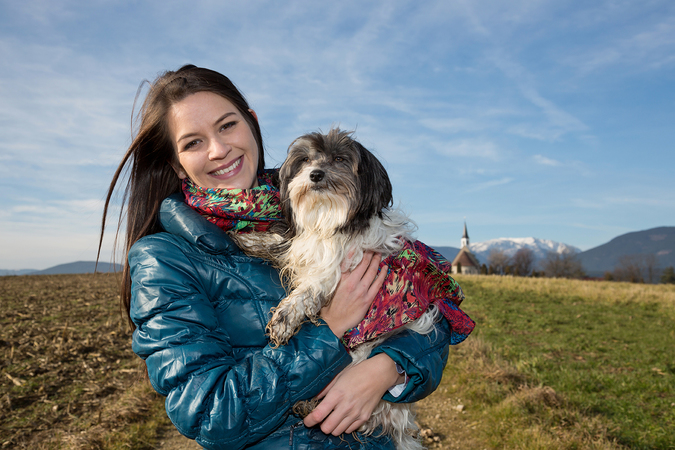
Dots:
pixel 599 202
pixel 570 167
pixel 38 234
pixel 539 159
pixel 558 121
pixel 470 148
pixel 452 125
pixel 461 93
pixel 487 185
pixel 644 45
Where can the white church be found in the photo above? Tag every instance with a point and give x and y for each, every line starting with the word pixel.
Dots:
pixel 465 261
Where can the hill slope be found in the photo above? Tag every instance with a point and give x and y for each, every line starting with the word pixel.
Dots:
pixel 79 267
pixel 4 272
pixel 656 241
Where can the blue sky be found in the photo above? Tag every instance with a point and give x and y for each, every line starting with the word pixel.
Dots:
pixel 550 119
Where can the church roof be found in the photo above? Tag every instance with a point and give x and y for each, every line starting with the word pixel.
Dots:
pixel 466 258
pixel 466 233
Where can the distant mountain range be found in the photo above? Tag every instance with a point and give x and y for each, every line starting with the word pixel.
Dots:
pixel 540 247
pixel 74 267
pixel 659 242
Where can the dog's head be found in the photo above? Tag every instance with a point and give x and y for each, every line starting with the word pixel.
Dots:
pixel 330 183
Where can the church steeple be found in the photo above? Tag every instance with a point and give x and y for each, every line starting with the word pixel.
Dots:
pixel 465 237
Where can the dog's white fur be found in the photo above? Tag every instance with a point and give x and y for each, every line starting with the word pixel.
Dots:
pixel 323 243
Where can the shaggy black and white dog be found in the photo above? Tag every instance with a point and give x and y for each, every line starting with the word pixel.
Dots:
pixel 336 197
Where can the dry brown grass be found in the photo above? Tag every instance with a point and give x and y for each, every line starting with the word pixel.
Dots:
pixel 611 292
pixel 70 380
pixel 484 402
pixel 69 377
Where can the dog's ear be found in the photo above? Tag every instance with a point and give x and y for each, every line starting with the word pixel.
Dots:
pixel 287 172
pixel 374 181
pixel 275 179
pixel 374 190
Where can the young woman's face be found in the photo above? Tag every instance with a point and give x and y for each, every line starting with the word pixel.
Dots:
pixel 215 146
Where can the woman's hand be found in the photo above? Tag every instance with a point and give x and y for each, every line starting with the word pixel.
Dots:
pixel 350 399
pixel 354 294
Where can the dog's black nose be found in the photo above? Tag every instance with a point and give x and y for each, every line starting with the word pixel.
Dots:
pixel 316 175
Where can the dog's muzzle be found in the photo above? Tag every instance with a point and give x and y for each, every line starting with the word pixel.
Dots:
pixel 317 175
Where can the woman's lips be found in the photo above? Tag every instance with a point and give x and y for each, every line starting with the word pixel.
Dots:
pixel 228 170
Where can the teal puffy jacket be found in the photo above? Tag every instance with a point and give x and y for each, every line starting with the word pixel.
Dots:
pixel 200 307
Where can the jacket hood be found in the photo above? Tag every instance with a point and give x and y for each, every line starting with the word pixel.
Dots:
pixel 179 219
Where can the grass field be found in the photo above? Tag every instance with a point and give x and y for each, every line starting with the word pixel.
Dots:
pixel 565 364
pixel 552 364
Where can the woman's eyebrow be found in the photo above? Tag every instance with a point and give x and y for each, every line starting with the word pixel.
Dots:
pixel 224 116
pixel 220 119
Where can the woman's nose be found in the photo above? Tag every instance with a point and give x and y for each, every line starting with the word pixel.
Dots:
pixel 218 149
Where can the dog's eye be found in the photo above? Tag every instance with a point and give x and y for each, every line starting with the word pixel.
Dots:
pixel 339 159
pixel 305 159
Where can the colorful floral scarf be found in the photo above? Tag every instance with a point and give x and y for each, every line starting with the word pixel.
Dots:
pixel 242 210
pixel 416 277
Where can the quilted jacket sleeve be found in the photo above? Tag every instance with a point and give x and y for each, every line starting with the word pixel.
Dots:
pixel 423 357
pixel 210 397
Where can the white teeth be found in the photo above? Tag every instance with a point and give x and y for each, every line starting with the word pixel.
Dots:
pixel 227 169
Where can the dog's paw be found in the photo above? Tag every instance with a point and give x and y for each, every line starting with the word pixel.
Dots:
pixel 304 407
pixel 284 324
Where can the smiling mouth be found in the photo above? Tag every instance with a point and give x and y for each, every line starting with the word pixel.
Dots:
pixel 227 169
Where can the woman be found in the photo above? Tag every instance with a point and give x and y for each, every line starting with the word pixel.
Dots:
pixel 199 306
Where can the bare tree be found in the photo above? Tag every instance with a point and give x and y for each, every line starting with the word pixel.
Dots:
pixel 563 265
pixel 522 262
pixel 651 263
pixel 636 268
pixel 498 260
pixel 629 268
pixel 668 275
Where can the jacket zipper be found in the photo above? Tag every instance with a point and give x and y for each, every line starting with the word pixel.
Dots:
pixel 293 427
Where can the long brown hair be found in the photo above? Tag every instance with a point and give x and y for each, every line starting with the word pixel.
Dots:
pixel 149 159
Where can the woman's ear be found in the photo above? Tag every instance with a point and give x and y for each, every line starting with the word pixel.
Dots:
pixel 254 114
pixel 179 170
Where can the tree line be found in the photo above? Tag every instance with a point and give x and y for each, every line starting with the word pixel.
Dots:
pixel 558 265
pixel 631 268
pixel 640 269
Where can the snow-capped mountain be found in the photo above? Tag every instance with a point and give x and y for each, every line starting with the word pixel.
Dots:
pixel 510 246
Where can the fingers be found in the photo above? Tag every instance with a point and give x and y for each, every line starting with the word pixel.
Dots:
pixel 344 418
pixel 356 425
pixel 320 413
pixel 347 425
pixel 377 283
pixel 373 267
pixel 364 265
pixel 366 271
pixel 354 294
pixel 340 420
pixel 344 266
pixel 350 399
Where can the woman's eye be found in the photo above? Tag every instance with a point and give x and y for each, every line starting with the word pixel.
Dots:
pixel 227 125
pixel 191 144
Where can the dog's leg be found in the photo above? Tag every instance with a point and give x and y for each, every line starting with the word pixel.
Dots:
pixel 287 318
pixel 397 419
